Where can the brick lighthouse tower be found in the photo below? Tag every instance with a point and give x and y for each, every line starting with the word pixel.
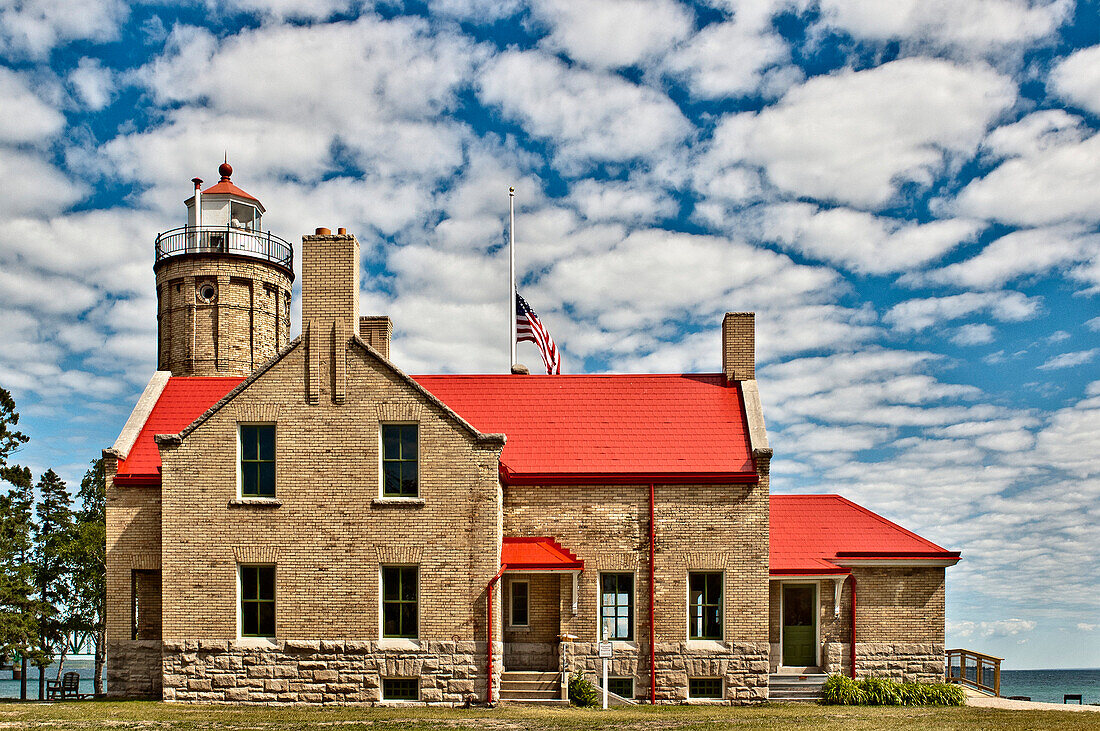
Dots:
pixel 223 285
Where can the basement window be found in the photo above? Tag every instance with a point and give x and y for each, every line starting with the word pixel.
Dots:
pixel 622 687
pixel 400 689
pixel 710 688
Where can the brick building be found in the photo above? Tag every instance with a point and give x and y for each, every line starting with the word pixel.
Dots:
pixel 300 521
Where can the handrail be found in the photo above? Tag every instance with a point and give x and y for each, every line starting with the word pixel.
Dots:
pixel 225 240
pixel 974 669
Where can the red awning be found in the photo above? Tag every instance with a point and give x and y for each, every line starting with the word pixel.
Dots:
pixel 537 554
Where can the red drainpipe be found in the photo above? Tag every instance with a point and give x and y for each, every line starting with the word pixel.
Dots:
pixel 489 628
pixel 853 577
pixel 652 591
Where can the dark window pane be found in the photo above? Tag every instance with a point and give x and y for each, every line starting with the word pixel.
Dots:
pixel 408 442
pixel 248 442
pixel 408 620
pixel 248 619
pixel 266 622
pixel 714 587
pixel 249 478
pixel 391 443
pixel 267 442
pixel 408 584
pixel 392 472
pixel 622 687
pixel 399 689
pixel 705 688
pixel 266 576
pixel 391 584
pixel 265 481
pixel 248 582
pixel 391 620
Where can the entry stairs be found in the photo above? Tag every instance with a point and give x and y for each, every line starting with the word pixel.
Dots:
pixel 800 688
pixel 531 686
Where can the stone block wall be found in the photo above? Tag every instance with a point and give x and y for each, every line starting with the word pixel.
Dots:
pixel 133 668
pixel 908 661
pixel 320 671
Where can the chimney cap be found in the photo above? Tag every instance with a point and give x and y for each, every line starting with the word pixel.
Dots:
pixel 519 369
pixel 322 231
pixel 341 231
pixel 196 181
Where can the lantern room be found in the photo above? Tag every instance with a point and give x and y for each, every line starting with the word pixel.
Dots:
pixel 223 204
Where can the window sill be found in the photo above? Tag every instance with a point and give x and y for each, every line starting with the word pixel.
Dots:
pixel 398 643
pixel 397 502
pixel 261 643
pixel 713 645
pixel 261 502
pixel 519 628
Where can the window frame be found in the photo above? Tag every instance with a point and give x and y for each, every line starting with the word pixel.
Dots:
pixel 382 602
pixel 415 695
pixel 631 613
pixel 400 494
pixel 273 601
pixel 621 680
pixel 241 494
pixel 512 583
pixel 721 689
pixel 720 604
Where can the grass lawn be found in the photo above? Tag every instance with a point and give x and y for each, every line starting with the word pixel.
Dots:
pixel 149 715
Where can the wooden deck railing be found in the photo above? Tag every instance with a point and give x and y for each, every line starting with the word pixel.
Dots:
pixel 974 669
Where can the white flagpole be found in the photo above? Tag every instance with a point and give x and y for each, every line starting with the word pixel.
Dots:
pixel 512 275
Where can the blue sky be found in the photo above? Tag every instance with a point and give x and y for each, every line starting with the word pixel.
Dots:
pixel 906 193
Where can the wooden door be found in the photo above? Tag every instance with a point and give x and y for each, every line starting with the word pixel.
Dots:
pixel 799 628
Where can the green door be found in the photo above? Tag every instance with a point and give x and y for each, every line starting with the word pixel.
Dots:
pixel 798 625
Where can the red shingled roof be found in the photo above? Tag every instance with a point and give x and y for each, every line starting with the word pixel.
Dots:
pixel 537 554
pixel 607 428
pixel 225 187
pixel 810 533
pixel 183 400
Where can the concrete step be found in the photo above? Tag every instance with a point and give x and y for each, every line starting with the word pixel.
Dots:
pixel 519 685
pixel 530 685
pixel 508 694
pixel 533 702
pixel 796 688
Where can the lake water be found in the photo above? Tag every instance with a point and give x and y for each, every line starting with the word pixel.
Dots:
pixel 1041 685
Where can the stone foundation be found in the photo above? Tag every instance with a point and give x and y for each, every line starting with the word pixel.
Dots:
pixel 743 666
pixel 914 662
pixel 336 672
pixel 133 669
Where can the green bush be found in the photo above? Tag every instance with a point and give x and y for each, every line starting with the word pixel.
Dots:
pixel 840 690
pixel 581 692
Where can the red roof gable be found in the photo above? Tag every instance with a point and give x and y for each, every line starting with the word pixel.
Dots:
pixel 537 554
pixel 183 400
pixel 225 187
pixel 611 428
pixel 811 532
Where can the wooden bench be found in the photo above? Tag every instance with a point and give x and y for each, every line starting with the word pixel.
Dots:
pixel 66 689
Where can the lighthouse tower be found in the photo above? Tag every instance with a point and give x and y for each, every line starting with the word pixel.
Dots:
pixel 223 285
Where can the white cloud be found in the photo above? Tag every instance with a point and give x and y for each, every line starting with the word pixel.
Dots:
pixel 1087 627
pixel 93 83
pixel 977 333
pixel 1070 360
pixel 1014 255
pixel 34 27
pixel 858 136
pixel 730 58
pixel 613 33
pixel 1077 78
pixel 1047 179
pixel 920 314
pixel 587 115
pixel 995 628
pixel 24 117
pixel 860 241
pixel 628 201
pixel 38 187
pixel 973 26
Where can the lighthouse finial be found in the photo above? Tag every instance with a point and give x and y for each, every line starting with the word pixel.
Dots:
pixel 225 169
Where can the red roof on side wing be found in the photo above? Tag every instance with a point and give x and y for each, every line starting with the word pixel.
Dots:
pixel 537 554
pixel 811 534
pixel 612 428
pixel 183 400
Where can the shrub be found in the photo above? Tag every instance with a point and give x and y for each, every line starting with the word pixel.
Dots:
pixel 581 692
pixel 840 690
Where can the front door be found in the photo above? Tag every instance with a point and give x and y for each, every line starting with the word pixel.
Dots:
pixel 798 625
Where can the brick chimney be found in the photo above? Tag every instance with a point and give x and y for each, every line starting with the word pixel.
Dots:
pixel 376 331
pixel 739 346
pixel 330 309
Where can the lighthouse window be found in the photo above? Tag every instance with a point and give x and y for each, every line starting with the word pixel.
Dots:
pixel 207 292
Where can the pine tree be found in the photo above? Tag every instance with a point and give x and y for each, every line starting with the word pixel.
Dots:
pixel 18 608
pixel 89 564
pixel 53 551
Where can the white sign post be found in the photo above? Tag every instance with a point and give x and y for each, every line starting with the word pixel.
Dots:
pixel 605 655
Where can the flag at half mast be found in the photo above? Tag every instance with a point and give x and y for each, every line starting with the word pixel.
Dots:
pixel 530 328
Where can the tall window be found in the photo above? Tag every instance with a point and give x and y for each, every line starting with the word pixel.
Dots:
pixel 520 595
pixel 257 601
pixel 399 601
pixel 705 605
pixel 617 606
pixel 257 460
pixel 399 458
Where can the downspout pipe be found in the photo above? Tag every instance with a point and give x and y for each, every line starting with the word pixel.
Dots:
pixel 853 578
pixel 652 592
pixel 489 630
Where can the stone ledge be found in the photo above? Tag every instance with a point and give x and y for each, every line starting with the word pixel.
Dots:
pixel 397 502
pixel 255 502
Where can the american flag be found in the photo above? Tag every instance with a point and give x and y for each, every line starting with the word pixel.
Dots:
pixel 530 328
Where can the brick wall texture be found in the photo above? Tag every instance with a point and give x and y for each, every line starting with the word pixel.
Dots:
pixel 329 532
